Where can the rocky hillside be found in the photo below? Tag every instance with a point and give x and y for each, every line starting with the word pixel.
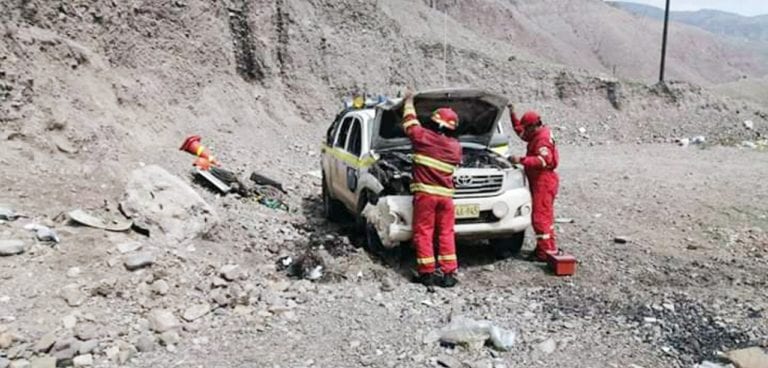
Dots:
pixel 718 22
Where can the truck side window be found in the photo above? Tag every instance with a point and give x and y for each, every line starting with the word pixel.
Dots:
pixel 341 138
pixel 354 142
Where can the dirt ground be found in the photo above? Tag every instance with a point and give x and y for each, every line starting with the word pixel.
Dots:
pixel 689 282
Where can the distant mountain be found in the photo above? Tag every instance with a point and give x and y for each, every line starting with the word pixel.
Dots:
pixel 717 22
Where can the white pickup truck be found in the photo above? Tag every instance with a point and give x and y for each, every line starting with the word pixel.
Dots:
pixel 366 166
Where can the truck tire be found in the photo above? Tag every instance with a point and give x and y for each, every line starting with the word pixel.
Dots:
pixel 333 210
pixel 508 247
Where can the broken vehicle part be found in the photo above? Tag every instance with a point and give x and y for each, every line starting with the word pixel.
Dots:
pixel 211 179
pixel 81 217
pixel 263 180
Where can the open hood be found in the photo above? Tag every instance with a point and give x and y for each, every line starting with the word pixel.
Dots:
pixel 479 112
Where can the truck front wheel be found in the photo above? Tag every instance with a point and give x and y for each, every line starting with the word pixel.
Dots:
pixel 508 247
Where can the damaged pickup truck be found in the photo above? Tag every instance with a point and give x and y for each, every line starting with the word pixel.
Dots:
pixel 367 160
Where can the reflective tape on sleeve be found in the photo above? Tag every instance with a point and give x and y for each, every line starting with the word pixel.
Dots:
pixel 424 160
pixel 431 189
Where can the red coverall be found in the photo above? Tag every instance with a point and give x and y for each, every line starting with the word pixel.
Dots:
pixel 540 163
pixel 435 159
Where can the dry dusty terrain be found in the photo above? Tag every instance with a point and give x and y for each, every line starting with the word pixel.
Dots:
pixel 689 282
pixel 93 94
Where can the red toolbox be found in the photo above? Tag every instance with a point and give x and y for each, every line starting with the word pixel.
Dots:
pixel 562 264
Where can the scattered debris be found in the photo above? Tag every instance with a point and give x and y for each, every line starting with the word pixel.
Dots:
pixel 11 247
pixel 263 180
pixel 81 217
pixel 699 139
pixel 683 142
pixel 475 334
pixel 43 233
pixel 564 220
pixel 749 124
pixel 621 240
pixel 212 179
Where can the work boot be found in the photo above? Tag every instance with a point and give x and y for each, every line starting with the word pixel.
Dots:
pixel 448 280
pixel 429 280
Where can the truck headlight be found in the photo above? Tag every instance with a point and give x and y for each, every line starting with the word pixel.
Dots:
pixel 515 179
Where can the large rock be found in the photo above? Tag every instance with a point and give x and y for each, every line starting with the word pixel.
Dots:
pixel 167 205
pixel 749 358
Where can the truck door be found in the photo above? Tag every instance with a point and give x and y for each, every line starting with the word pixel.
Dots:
pixel 338 163
pixel 351 158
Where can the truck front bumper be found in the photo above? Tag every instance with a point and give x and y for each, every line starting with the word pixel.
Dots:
pixel 392 217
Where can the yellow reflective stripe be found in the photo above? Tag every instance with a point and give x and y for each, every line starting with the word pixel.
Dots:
pixel 543 161
pixel 425 261
pixel 200 150
pixel 431 189
pixel 501 149
pixel 410 123
pixel 447 257
pixel 409 109
pixel 349 158
pixel 425 160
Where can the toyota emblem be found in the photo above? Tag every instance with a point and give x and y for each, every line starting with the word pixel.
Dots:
pixel 463 180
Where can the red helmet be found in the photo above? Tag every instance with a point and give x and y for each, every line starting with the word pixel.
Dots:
pixel 530 118
pixel 446 117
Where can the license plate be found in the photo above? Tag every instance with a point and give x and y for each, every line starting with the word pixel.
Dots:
pixel 467 211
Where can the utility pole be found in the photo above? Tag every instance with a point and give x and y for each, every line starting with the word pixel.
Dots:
pixel 664 43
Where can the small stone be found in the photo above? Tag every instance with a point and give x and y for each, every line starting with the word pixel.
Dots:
pixel 547 346
pixel 169 338
pixel 43 362
pixel 161 320
pixel 449 362
pixel 6 340
pixel 160 287
pixel 354 344
pixel 145 343
pixel 489 268
pixel 669 306
pixel 125 355
pixel 112 352
pixel 749 124
pixel 650 320
pixel 69 321
pixel 139 260
pixel 11 247
pixel 45 343
pixel 621 240
pixel 387 285
pixel 73 272
pixel 753 357
pixel 21 363
pixel 230 272
pixel 86 331
pixel 72 295
pixel 87 347
pixel 219 282
pixel 196 311
pixel 85 360
pixel 128 247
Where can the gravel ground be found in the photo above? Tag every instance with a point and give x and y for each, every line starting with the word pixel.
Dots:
pixel 688 283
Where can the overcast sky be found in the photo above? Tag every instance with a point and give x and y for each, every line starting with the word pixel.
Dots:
pixel 744 7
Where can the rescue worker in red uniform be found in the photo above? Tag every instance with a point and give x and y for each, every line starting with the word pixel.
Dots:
pixel 540 162
pixel 436 155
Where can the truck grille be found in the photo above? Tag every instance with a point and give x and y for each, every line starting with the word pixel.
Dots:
pixel 477 185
